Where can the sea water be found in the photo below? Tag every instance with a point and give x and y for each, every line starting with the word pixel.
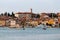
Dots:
pixel 29 34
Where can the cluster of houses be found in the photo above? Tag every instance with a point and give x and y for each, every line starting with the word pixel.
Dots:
pixel 29 19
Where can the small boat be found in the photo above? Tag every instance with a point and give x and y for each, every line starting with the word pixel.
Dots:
pixel 44 28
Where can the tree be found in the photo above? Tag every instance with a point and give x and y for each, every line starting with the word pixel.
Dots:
pixel 5 14
pixel 52 15
pixel 37 16
pixel 13 14
pixel 9 14
pixel 2 14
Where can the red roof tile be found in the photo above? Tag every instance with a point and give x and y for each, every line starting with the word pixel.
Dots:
pixel 4 17
pixel 24 13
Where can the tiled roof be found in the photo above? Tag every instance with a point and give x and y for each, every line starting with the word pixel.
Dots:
pixel 24 13
pixel 4 17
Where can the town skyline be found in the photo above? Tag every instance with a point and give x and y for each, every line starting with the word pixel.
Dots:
pixel 25 5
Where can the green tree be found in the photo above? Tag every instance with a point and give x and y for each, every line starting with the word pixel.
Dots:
pixel 1 14
pixel 13 14
pixel 9 14
pixel 5 14
pixel 37 16
pixel 52 15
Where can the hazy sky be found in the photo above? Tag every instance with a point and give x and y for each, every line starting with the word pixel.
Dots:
pixel 25 5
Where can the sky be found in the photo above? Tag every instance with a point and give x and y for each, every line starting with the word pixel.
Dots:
pixel 37 6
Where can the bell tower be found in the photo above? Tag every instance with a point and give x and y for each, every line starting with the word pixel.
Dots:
pixel 31 10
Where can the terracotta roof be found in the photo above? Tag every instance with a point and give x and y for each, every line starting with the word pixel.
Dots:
pixel 4 17
pixel 24 13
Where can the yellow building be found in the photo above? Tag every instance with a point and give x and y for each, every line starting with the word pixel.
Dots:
pixel 2 22
pixel 51 21
pixel 35 23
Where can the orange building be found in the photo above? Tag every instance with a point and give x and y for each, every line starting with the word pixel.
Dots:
pixel 2 22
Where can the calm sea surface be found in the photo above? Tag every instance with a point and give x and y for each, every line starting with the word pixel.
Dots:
pixel 29 34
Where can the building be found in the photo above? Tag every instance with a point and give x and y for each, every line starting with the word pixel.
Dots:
pixel 23 14
pixel 12 23
pixel 3 20
pixel 27 15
